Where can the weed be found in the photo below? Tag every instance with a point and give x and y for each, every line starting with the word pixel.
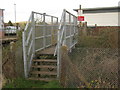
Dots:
pixel 23 83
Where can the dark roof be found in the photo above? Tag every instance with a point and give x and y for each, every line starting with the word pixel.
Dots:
pixel 99 10
pixel 2 9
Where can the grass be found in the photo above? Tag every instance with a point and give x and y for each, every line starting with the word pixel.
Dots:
pixel 23 83
pixel 91 42
pixel 103 38
pixel 110 40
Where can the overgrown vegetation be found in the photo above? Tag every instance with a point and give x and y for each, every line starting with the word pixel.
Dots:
pixel 12 66
pixel 23 83
pixel 98 66
pixel 96 57
pixel 103 38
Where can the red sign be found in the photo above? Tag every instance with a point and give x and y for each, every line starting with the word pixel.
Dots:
pixel 80 18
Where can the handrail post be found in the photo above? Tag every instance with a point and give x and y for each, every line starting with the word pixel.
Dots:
pixel 25 43
pixel 59 43
pixel 33 41
pixel 52 33
pixel 70 32
pixel 44 31
pixel 58 55
pixel 24 55
pixel 33 32
pixel 64 20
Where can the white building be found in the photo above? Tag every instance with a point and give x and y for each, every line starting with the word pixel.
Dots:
pixel 106 16
pixel 1 19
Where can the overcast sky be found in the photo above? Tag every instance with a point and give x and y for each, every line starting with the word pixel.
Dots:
pixel 52 7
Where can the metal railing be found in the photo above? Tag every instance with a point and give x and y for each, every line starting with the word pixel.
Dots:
pixel 67 35
pixel 40 32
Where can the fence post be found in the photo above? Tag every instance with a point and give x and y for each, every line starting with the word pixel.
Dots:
pixel 76 31
pixel 84 29
pixel 64 58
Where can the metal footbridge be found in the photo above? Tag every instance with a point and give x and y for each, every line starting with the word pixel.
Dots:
pixel 43 37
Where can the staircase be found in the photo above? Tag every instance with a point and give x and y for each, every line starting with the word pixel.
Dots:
pixel 42 31
pixel 44 66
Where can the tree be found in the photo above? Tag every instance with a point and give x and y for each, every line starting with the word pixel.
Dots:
pixel 10 23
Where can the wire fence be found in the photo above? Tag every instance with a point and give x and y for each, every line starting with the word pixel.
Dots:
pixel 99 66
pixel 90 67
pixel 93 63
pixel 70 76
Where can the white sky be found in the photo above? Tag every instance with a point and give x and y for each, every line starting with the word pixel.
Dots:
pixel 51 7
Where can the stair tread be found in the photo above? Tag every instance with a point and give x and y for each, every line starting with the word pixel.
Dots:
pixel 49 50
pixel 46 60
pixel 43 66
pixel 43 72
pixel 42 79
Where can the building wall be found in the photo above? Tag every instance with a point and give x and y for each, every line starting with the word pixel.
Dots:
pixel 1 23
pixel 102 19
pixel 1 19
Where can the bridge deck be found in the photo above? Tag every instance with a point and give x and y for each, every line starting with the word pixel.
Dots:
pixel 49 50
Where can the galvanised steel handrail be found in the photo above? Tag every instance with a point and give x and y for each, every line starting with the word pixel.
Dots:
pixel 59 33
pixel 37 36
pixel 28 44
pixel 70 40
